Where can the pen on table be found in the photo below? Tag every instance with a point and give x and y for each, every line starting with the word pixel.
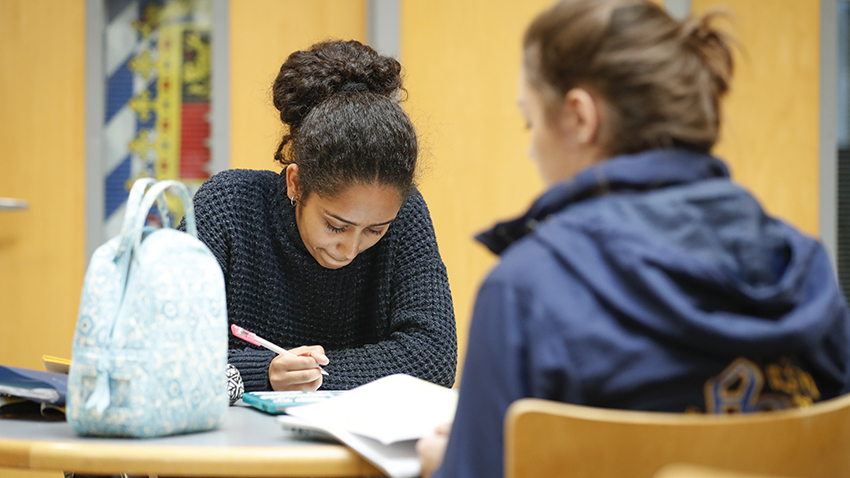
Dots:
pixel 255 339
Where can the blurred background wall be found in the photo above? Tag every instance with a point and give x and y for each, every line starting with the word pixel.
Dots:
pixel 461 60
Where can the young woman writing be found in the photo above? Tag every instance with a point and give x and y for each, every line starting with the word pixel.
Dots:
pixel 334 258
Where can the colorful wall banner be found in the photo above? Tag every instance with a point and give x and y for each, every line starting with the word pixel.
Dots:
pixel 157 61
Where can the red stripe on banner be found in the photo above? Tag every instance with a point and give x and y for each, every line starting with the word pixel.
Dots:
pixel 194 153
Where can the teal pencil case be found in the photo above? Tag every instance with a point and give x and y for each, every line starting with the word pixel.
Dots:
pixel 277 402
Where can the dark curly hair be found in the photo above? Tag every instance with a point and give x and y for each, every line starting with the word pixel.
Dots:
pixel 340 103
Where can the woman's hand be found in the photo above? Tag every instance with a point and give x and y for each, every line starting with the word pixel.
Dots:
pixel 431 449
pixel 299 371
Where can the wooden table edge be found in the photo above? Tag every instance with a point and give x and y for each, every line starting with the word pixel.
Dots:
pixel 321 460
pixel 15 453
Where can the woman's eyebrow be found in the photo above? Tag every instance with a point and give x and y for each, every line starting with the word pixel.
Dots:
pixel 354 223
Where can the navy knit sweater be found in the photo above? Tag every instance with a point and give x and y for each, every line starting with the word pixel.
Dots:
pixel 388 311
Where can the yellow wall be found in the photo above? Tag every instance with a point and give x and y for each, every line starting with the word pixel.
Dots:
pixel 462 60
pixel 41 160
pixel 42 145
pixel 771 127
pixel 262 34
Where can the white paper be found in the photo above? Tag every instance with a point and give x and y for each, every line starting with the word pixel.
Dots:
pixel 391 409
pixel 398 460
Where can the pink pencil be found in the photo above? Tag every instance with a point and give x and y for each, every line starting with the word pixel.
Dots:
pixel 255 339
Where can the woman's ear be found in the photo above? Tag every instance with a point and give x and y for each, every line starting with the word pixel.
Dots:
pixel 293 187
pixel 584 115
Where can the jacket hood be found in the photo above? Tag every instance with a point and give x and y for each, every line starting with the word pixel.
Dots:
pixel 672 246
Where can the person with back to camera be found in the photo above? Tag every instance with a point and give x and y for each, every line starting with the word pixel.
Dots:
pixel 644 278
pixel 338 249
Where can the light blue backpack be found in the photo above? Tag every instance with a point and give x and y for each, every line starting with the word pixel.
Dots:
pixel 150 348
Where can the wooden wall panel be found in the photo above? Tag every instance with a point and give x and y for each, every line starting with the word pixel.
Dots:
pixel 771 118
pixel 42 160
pixel 262 35
pixel 42 140
pixel 462 61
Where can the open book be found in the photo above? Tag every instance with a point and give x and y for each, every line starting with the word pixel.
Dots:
pixel 380 420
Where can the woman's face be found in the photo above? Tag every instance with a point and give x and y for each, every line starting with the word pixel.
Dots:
pixel 335 229
pixel 544 145
pixel 559 142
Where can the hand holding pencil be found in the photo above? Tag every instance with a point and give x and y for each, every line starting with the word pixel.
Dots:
pixel 296 369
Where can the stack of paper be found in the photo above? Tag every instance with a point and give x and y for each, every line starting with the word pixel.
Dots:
pixel 380 420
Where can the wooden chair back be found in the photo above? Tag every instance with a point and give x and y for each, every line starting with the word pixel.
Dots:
pixel 552 439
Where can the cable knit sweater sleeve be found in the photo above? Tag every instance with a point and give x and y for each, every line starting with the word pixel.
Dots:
pixel 421 339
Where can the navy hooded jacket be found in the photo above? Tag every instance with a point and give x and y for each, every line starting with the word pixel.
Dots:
pixel 648 282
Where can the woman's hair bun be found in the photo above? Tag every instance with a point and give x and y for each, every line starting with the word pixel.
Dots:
pixel 309 77
pixel 713 47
